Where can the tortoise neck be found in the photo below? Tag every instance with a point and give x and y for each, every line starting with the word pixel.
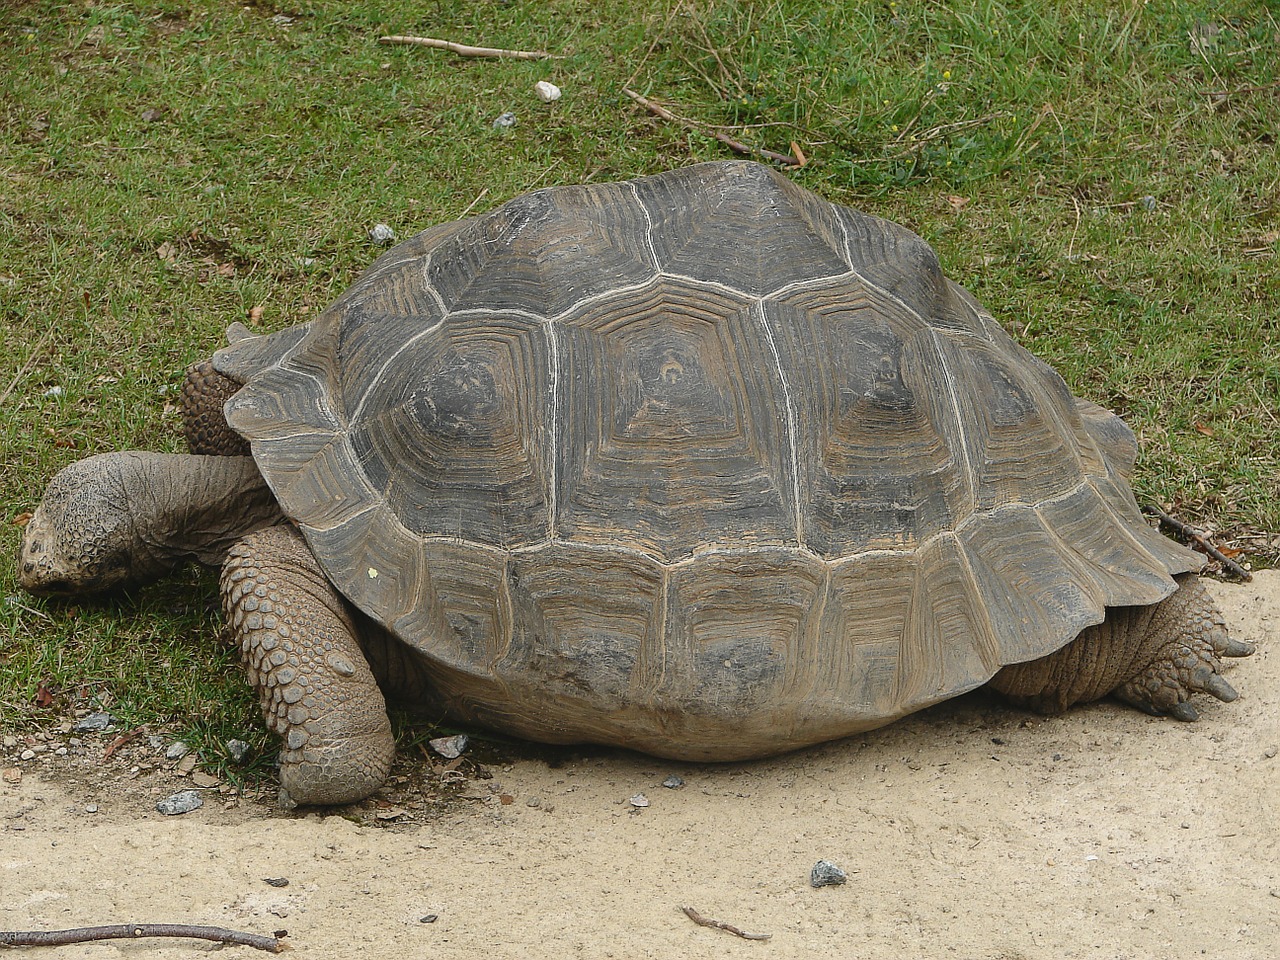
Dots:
pixel 191 507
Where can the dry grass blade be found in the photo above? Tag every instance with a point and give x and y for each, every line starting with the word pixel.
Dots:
pixel 26 367
pixel 465 50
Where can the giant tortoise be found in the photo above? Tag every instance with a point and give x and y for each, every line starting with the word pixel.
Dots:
pixel 696 464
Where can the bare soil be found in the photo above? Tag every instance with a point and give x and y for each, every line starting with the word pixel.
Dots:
pixel 970 830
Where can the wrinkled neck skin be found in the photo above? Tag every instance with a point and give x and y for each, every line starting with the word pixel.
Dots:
pixel 124 519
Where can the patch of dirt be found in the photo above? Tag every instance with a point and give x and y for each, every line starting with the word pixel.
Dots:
pixel 970 830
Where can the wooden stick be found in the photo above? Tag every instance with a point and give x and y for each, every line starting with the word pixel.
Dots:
pixel 702 921
pixel 463 50
pixel 1192 533
pixel 132 931
pixel 736 146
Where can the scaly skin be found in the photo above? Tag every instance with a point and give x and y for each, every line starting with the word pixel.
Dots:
pixel 298 640
pixel 1153 657
pixel 203 424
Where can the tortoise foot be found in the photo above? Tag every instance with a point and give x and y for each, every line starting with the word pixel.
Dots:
pixel 299 646
pixel 1188 663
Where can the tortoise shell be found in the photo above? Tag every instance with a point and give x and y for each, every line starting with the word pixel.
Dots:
pixel 698 463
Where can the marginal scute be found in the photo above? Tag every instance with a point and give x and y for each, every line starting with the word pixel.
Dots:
pixel 699 464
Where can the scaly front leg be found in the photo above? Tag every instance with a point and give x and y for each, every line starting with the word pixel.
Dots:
pixel 298 640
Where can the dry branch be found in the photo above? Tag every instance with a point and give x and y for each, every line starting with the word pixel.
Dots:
pixel 134 931
pixel 735 145
pixel 463 50
pixel 702 921
pixel 1191 533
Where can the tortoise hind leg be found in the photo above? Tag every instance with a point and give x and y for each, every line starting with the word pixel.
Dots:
pixel 203 424
pixel 1154 657
pixel 1192 639
pixel 298 641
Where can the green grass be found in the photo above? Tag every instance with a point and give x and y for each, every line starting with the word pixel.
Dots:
pixel 1070 161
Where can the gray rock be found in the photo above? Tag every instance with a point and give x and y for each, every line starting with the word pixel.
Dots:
pixel 381 233
pixel 505 121
pixel 673 782
pixel 450 747
pixel 183 802
pixel 826 874
pixel 176 750
pixel 237 750
pixel 94 722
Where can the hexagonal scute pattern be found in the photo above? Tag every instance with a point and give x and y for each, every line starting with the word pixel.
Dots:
pixel 697 463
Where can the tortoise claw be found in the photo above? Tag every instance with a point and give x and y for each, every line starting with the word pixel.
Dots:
pixel 1219 687
pixel 1179 671
pixel 1230 647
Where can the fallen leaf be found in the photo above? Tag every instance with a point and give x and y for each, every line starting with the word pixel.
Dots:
pixel 958 203
pixel 21 519
pixel 796 152
pixel 44 696
pixel 255 314
pixel 506 799
pixel 226 269
pixel 1202 429
pixel 167 251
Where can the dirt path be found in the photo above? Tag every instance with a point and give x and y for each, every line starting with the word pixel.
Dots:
pixel 970 831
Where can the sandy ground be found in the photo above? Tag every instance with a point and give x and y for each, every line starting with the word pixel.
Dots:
pixel 971 830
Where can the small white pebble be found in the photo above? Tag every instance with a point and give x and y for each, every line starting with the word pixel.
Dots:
pixel 381 233
pixel 547 92
pixel 53 392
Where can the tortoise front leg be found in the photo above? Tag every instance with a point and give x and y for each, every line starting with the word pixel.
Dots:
pixel 298 640
pixel 203 424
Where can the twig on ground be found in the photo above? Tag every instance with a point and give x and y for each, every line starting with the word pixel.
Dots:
pixel 119 742
pixel 702 921
pixel 735 145
pixel 1192 533
pixel 1221 96
pixel 463 50
pixel 133 931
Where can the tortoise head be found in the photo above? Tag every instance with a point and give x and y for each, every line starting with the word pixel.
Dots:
pixel 81 538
